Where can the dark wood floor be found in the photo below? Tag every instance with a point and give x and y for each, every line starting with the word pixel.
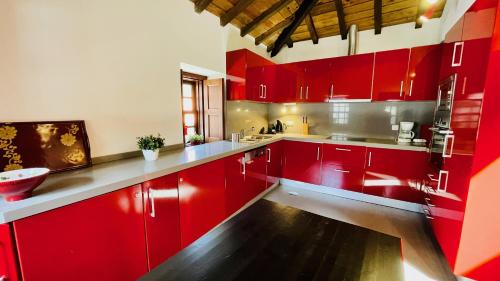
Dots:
pixel 270 241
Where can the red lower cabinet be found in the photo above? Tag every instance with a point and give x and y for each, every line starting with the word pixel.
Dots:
pixel 302 161
pixel 255 172
pixel 8 259
pixel 161 216
pixel 100 238
pixel 343 167
pixel 201 200
pixel 274 155
pixel 236 195
pixel 394 173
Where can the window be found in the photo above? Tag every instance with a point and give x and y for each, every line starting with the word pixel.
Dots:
pixel 189 109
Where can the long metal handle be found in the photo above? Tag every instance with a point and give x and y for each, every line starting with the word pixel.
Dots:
pixel 317 154
pixel 431 177
pixel 307 92
pixel 151 196
pixel 243 167
pixel 401 89
pixel 427 200
pixel 342 171
pixel 300 92
pixel 465 85
pixel 342 149
pixel 445 145
pixel 441 173
pixel 453 60
pixel 370 159
pixel 265 91
pixel 331 91
pixel 268 155
pixel 411 87
pixel 260 90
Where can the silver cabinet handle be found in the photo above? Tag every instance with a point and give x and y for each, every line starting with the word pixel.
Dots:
pixel 465 85
pixel 431 177
pixel 453 59
pixel 331 91
pixel 445 145
pixel 342 171
pixel 300 92
pixel 441 173
pixel 268 155
pixel 401 89
pixel 243 167
pixel 411 87
pixel 428 214
pixel 265 91
pixel 260 91
pixel 307 92
pixel 151 195
pixel 342 149
pixel 427 200
pixel 317 154
pixel 370 159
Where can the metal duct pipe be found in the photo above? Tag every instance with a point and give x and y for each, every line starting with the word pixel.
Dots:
pixel 353 40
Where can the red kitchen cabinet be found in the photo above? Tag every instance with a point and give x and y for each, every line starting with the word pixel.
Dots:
pixel 286 83
pixel 274 159
pixel 351 77
pixel 318 80
pixel 472 72
pixel 423 73
pixel 261 83
pixel 343 167
pixel 393 173
pixel 255 172
pixel 201 200
pixel 8 258
pixel 99 238
pixel 161 216
pixel 302 161
pixel 237 64
pixel 390 71
pixel 236 194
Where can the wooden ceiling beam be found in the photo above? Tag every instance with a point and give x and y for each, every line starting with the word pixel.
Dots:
pixel 201 5
pixel 267 14
pixel 377 14
pixel 273 30
pixel 289 43
pixel 312 29
pixel 341 16
pixel 239 7
pixel 300 15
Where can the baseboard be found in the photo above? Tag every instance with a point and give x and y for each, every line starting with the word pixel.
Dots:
pixel 413 207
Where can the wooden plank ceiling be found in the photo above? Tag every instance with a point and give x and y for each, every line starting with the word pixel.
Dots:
pixel 278 22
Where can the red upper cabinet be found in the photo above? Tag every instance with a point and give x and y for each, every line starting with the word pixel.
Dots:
pixel 201 200
pixel 302 161
pixel 274 154
pixel 161 216
pixel 318 80
pixel 472 72
pixel 343 166
pixel 237 64
pixel 389 77
pixel 236 195
pixel 8 258
pixel 261 83
pixel 393 173
pixel 99 238
pixel 423 73
pixel 351 77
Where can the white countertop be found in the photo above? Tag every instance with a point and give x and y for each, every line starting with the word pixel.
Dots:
pixel 69 187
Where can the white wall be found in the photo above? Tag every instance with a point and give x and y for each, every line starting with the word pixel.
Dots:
pixel 392 37
pixel 113 63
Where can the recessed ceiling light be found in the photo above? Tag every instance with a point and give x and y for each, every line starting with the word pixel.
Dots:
pixel 423 18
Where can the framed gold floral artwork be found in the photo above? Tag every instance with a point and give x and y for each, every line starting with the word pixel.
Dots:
pixel 58 145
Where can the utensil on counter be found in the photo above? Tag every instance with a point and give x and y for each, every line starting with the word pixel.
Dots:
pixel 235 137
pixel 305 125
pixel 279 127
pixel 19 184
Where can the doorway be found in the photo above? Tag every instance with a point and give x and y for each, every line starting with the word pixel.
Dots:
pixel 202 108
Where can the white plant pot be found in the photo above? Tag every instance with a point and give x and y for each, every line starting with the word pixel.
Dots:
pixel 151 155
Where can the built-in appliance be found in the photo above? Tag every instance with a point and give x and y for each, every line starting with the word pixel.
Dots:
pixel 442 135
pixel 406 133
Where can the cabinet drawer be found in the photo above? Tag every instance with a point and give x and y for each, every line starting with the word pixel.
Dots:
pixel 342 177
pixel 344 155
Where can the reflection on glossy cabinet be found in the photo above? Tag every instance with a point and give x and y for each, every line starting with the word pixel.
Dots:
pixel 81 240
pixel 8 259
pixel 255 173
pixel 343 166
pixel 274 155
pixel 302 161
pixel 423 73
pixel 389 76
pixel 236 194
pixel 351 77
pixel 161 216
pixel 394 173
pixel 201 200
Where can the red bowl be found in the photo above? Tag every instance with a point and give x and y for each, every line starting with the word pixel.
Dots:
pixel 19 184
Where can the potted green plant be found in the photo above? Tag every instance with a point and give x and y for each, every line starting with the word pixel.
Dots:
pixel 195 139
pixel 150 146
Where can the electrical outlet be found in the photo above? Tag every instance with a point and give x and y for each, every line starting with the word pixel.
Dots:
pixel 395 127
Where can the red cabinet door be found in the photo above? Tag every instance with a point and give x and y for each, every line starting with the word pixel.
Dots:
pixel 254 83
pixel 343 167
pixel 236 195
pixel 472 71
pixel 161 216
pixel 302 161
pixel 274 162
pixel 286 84
pixel 351 77
pixel 201 200
pixel 391 68
pixel 8 258
pixel 255 173
pixel 423 73
pixel 393 173
pixel 236 63
pixel 318 80
pixel 99 238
